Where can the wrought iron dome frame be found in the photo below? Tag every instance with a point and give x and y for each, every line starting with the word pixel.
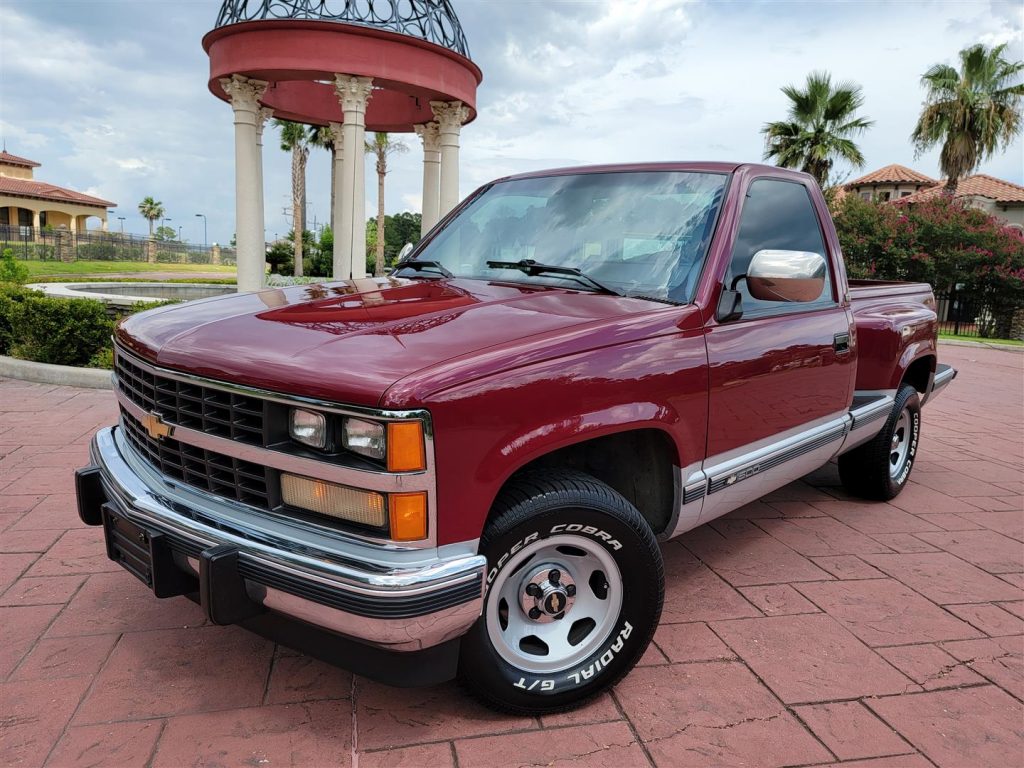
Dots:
pixel 431 20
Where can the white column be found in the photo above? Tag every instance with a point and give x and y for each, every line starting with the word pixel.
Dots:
pixel 262 115
pixel 353 94
pixel 36 234
pixel 251 247
pixel 342 261
pixel 450 116
pixel 430 136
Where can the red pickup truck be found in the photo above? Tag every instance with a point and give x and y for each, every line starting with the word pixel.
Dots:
pixel 465 468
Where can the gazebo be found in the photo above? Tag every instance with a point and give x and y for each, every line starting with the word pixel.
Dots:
pixel 400 66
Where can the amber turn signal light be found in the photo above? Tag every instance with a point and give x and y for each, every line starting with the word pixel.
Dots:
pixel 406 452
pixel 408 516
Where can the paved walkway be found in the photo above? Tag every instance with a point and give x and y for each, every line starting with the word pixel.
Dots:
pixel 804 629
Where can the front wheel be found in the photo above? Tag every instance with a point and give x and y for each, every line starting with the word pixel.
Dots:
pixel 881 467
pixel 574 593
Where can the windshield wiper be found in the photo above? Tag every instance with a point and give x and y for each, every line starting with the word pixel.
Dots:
pixel 531 267
pixel 418 264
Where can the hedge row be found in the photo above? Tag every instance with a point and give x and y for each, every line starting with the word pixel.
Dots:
pixel 50 329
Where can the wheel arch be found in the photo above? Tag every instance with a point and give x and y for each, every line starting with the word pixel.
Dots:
pixel 639 462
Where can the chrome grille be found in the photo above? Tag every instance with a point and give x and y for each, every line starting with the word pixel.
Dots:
pixel 214 411
pixel 207 470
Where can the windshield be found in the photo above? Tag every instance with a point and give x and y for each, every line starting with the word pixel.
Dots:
pixel 638 233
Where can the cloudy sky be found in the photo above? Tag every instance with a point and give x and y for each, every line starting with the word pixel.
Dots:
pixel 110 95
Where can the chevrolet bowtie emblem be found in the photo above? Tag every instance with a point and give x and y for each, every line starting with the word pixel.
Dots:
pixel 555 603
pixel 156 427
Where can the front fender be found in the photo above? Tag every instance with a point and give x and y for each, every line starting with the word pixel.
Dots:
pixel 487 429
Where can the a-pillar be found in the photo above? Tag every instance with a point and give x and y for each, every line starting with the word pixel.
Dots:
pixel 431 137
pixel 244 95
pixel 353 95
pixel 450 116
pixel 341 266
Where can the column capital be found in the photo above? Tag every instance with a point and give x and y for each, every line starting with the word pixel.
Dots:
pixel 450 115
pixel 244 93
pixel 353 92
pixel 262 115
pixel 430 135
pixel 337 136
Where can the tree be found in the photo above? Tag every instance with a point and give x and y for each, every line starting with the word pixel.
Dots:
pixel 973 113
pixel 940 241
pixel 399 229
pixel 381 146
pixel 151 210
pixel 323 137
pixel 295 138
pixel 165 234
pixel 821 122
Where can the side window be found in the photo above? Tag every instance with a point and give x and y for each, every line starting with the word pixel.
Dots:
pixel 776 215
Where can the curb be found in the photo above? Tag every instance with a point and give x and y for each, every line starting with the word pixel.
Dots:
pixel 1000 347
pixel 62 375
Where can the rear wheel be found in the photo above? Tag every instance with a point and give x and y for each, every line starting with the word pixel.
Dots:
pixel 575 587
pixel 880 468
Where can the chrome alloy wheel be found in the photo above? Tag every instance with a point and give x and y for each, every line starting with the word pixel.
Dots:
pixel 554 604
pixel 899 448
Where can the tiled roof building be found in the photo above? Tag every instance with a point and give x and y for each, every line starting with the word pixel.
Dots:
pixel 26 202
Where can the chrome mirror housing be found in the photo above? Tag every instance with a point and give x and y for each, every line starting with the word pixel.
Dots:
pixel 406 250
pixel 786 275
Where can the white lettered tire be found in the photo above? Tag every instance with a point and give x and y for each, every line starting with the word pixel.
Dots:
pixel 575 586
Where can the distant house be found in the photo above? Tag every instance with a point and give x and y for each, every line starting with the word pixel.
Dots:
pixel 889 183
pixel 1002 199
pixel 26 202
pixel 902 185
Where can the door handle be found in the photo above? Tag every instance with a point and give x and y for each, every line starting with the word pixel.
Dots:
pixel 841 343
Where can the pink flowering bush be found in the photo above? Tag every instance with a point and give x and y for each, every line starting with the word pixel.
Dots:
pixel 942 242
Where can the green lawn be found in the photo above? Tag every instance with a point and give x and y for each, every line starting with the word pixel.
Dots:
pixel 957 337
pixel 86 268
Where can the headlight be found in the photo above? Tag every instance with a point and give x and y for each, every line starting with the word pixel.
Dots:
pixel 365 438
pixel 308 427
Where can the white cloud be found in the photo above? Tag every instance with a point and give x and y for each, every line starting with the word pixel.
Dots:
pixel 113 102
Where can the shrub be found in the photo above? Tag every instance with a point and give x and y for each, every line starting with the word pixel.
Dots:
pixel 941 241
pixel 48 329
pixel 11 297
pixel 11 271
pixel 102 359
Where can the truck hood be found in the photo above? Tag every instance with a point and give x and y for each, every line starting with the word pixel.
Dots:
pixel 350 342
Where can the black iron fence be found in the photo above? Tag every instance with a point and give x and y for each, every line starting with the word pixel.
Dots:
pixel 968 313
pixel 62 245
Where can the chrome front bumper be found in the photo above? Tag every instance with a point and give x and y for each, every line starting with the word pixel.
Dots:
pixel 392 600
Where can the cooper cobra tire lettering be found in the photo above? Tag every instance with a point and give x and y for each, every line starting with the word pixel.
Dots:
pixel 561 504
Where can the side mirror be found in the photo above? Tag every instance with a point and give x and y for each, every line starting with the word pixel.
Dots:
pixel 406 250
pixel 786 275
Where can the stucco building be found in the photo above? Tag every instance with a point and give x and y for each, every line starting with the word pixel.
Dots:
pixel 27 202
pixel 899 184
pixel 889 183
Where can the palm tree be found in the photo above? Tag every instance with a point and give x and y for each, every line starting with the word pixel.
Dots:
pixel 323 137
pixel 821 123
pixel 296 138
pixel 381 146
pixel 972 113
pixel 151 210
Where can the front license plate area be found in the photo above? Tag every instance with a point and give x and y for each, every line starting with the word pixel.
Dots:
pixel 145 554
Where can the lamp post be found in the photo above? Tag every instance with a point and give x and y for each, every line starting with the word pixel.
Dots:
pixel 203 215
pixel 121 219
pixel 179 233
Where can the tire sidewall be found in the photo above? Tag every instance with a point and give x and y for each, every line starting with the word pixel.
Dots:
pixel 641 608
pixel 907 399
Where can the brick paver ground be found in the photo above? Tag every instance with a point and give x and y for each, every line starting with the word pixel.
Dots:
pixel 804 629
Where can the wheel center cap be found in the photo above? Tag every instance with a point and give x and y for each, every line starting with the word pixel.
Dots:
pixel 554 602
pixel 548 593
